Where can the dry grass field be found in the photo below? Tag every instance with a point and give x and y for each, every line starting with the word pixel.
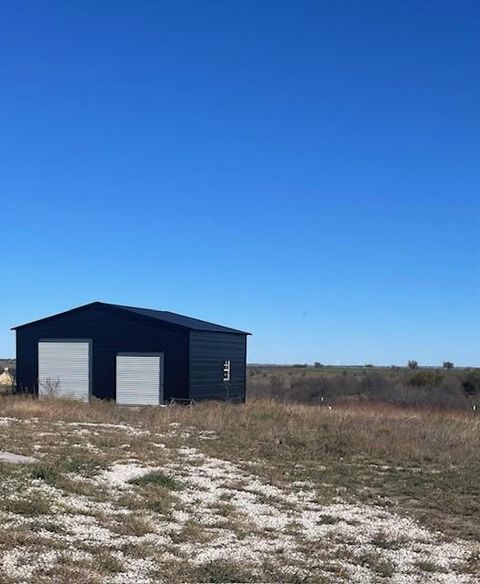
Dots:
pixel 431 387
pixel 265 492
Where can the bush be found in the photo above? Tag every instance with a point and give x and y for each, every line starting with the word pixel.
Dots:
pixel 433 388
pixel 425 379
pixel 310 390
pixel 471 383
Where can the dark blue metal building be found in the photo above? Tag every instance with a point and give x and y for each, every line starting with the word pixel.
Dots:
pixel 134 355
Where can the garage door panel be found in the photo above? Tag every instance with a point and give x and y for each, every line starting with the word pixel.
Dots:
pixel 139 379
pixel 64 369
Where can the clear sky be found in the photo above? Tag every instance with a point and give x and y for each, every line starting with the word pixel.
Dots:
pixel 304 170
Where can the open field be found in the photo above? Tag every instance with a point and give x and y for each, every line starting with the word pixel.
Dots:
pixel 430 387
pixel 228 493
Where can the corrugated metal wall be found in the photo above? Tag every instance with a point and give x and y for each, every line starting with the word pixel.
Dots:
pixel 208 351
pixel 111 333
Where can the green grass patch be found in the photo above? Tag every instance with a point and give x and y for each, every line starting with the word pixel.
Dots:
pixel 50 470
pixel 328 520
pixel 159 478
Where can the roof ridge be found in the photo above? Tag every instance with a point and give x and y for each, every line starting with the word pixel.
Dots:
pixel 166 316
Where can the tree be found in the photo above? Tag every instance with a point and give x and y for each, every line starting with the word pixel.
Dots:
pixel 412 364
pixel 317 365
pixel 448 365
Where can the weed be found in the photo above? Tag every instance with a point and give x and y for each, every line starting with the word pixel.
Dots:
pixel 471 564
pixel 53 471
pixel 221 571
pixel 27 505
pixel 67 570
pixel 384 568
pixel 225 509
pixel 133 524
pixel 14 537
pixel 158 499
pixel 49 526
pixel 44 472
pixel 328 520
pixel 384 541
pixel 106 562
pixel 159 478
pixel 376 562
pixel 191 532
pixel 429 566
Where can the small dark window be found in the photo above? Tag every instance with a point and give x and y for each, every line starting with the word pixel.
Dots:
pixel 226 370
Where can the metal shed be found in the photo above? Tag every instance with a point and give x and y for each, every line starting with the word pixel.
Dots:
pixel 134 355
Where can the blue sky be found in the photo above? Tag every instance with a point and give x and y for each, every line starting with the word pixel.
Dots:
pixel 308 171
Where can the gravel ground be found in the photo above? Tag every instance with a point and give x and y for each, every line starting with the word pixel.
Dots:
pixel 219 513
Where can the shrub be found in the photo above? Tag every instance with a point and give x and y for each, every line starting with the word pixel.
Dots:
pixel 50 387
pixel 425 379
pixel 379 386
pixel 425 387
pixel 471 383
pixel 277 386
pixel 310 389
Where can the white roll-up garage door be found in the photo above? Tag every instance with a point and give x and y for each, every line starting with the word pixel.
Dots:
pixel 139 379
pixel 64 369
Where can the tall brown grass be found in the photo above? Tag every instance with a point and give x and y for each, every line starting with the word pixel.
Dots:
pixel 423 461
pixel 265 427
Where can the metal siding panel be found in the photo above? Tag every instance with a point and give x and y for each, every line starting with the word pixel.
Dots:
pixel 139 379
pixel 207 353
pixel 66 363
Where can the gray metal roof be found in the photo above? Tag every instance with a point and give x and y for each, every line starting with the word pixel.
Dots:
pixel 158 315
